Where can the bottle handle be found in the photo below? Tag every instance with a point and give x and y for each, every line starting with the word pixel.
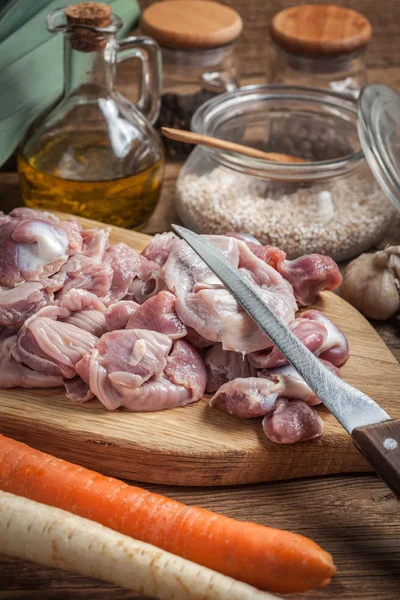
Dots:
pixel 149 53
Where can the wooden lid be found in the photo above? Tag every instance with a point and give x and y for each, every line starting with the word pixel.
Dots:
pixel 191 23
pixel 92 14
pixel 320 30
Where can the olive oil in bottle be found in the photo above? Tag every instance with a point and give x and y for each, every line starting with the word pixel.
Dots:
pixel 50 180
pixel 95 154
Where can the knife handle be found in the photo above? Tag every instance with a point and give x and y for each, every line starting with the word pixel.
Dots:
pixel 380 444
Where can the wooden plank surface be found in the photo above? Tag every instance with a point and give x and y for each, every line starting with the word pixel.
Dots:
pixel 354 517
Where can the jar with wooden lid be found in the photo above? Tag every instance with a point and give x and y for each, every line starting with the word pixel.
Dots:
pixel 197 39
pixel 320 46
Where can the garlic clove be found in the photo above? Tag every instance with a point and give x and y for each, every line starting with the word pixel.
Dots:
pixel 382 300
pixel 394 263
pixel 380 259
pixel 392 250
pixel 370 286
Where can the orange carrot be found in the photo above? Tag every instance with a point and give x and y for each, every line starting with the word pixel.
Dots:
pixel 267 558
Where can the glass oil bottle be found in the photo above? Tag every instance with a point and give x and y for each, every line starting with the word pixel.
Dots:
pixel 95 154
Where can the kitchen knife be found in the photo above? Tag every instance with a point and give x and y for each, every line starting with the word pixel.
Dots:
pixel 373 432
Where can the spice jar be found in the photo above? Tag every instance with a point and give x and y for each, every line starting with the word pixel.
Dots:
pixel 331 205
pixel 197 43
pixel 320 46
pixel 95 154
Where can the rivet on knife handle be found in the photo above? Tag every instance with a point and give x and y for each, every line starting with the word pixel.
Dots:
pixel 380 444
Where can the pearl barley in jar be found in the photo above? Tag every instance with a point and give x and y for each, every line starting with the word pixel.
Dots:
pixel 329 205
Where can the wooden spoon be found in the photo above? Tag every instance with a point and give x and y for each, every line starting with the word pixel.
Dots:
pixel 181 135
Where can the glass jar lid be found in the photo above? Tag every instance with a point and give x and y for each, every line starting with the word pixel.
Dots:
pixel 379 133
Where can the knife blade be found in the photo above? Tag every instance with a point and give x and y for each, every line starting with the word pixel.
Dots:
pixel 351 407
pixel 375 434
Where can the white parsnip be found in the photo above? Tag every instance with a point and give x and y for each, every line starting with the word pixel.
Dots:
pixel 56 538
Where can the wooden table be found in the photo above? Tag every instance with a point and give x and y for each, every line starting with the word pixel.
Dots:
pixel 356 518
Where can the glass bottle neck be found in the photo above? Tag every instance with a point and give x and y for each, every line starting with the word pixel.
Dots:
pixel 89 73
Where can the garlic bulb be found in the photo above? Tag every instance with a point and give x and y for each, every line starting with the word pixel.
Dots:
pixel 371 283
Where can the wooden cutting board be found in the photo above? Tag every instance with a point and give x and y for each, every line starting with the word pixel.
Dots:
pixel 198 445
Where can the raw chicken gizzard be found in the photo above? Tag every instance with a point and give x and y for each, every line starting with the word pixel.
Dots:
pixel 154 331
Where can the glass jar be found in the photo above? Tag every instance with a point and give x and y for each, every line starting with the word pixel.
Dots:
pixel 345 75
pixel 320 46
pixel 331 205
pixel 197 39
pixel 94 154
pixel 190 78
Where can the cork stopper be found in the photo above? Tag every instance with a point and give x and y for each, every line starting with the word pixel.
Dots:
pixel 88 14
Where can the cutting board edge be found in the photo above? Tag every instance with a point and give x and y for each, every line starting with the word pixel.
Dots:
pixel 229 468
